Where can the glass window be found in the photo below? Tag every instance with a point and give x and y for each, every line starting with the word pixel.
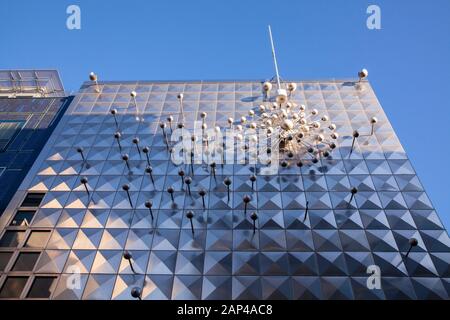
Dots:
pixel 33 199
pixel 37 239
pixel 8 131
pixel 23 218
pixel 13 287
pixel 12 238
pixel 26 261
pixel 42 287
pixel 4 259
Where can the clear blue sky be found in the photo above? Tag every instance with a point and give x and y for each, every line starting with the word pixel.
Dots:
pixel 408 59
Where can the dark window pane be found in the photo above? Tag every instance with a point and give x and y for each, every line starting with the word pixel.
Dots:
pixel 23 218
pixel 37 239
pixel 12 238
pixel 33 199
pixel 26 261
pixel 42 287
pixel 13 287
pixel 4 259
pixel 8 131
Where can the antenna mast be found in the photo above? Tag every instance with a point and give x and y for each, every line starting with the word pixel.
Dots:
pixel 274 58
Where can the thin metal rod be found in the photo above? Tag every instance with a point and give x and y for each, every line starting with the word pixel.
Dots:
pixel 306 210
pixel 151 213
pixel 189 188
pixel 129 199
pixel 353 145
pixel 87 190
pixel 274 58
pixel 139 150
pixel 182 110
pixel 192 226
pixel 409 250
pixel 97 88
pixel 131 266
pixel 151 178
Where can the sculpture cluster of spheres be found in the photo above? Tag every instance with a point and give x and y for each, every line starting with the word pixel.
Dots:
pixel 296 130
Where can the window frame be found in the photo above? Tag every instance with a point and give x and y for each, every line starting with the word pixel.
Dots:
pixel 4 282
pixel 16 230
pixel 22 209
pixel 29 283
pixel 23 205
pixel 8 263
pixel 32 280
pixel 36 231
pixel 14 135
pixel 16 259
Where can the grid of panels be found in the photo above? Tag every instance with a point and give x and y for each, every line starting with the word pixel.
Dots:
pixel 25 125
pixel 321 255
pixel 40 83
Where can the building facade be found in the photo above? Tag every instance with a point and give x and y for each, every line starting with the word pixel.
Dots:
pixel 105 213
pixel 31 104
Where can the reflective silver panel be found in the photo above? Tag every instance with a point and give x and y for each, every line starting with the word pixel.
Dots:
pixel 311 237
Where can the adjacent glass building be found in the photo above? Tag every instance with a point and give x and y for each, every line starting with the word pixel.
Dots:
pixel 31 104
pixel 74 231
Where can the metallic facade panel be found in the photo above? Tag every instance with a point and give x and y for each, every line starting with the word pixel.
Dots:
pixel 312 239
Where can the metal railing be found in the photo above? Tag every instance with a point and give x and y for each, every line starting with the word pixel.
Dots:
pixel 17 84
